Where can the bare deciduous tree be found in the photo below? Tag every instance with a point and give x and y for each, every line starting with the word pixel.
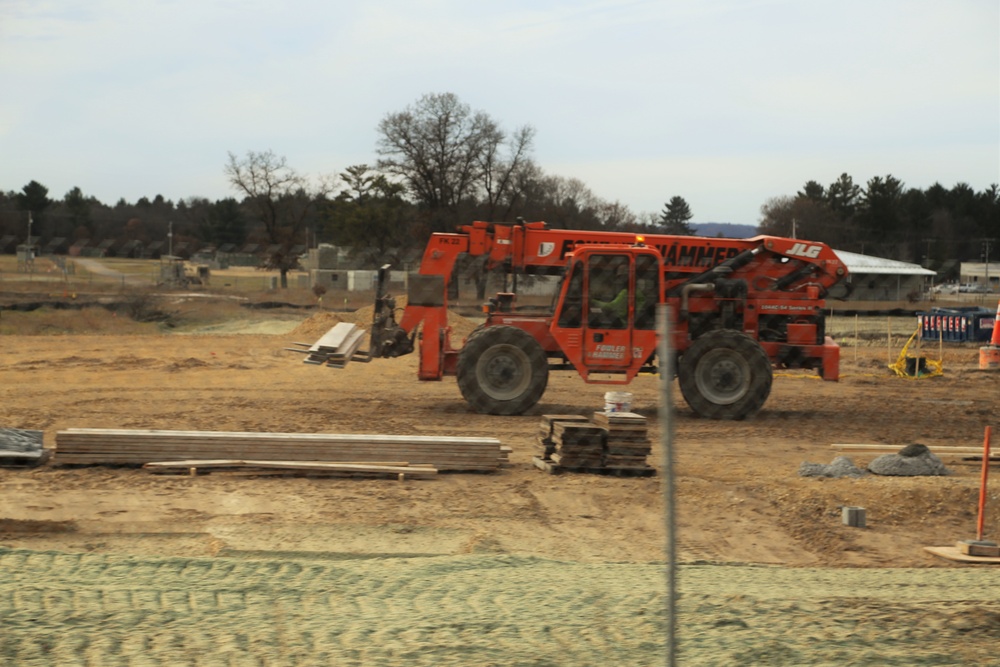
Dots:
pixel 447 154
pixel 282 200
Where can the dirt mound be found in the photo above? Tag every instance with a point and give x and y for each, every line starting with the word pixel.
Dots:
pixel 317 325
pixel 460 326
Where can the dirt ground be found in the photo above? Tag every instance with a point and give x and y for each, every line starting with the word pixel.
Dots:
pixel 740 500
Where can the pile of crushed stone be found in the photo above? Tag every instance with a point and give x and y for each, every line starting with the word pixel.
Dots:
pixel 840 467
pixel 914 460
pixel 911 461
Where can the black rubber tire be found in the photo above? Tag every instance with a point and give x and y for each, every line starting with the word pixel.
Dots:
pixel 502 370
pixel 725 374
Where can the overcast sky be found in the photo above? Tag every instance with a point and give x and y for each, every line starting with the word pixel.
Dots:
pixel 723 102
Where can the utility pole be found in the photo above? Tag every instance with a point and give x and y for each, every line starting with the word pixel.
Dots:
pixel 986 260
pixel 28 242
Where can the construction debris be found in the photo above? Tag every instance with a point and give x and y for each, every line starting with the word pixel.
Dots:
pixel 80 446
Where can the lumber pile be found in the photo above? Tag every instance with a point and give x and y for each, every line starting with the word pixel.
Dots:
pixel 608 443
pixel 578 445
pixel 80 446
pixel 336 347
pixel 545 445
pixel 627 444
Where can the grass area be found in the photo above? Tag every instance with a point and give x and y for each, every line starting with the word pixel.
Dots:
pixel 90 273
pixel 93 320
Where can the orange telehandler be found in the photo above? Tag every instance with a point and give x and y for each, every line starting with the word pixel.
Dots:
pixel 739 307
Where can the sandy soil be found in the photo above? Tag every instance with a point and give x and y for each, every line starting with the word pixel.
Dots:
pixel 739 497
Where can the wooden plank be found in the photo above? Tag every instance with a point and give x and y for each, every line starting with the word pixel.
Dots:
pixel 222 463
pixel 414 471
pixel 333 338
pixel 142 460
pixel 974 451
pixel 138 446
pixel 952 553
pixel 554 468
pixel 292 447
pixel 324 437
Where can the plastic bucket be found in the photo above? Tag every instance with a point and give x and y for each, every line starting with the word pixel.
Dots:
pixel 618 401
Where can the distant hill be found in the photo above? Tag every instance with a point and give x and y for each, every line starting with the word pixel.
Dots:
pixel 725 229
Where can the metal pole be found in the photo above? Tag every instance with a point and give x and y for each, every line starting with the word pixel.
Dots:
pixel 982 485
pixel 666 412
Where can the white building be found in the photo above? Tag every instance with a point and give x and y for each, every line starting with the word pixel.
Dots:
pixel 880 279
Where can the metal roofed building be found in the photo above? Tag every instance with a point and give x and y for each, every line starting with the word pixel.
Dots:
pixel 880 279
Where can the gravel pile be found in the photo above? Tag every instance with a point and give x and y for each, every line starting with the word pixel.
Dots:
pixel 839 467
pixel 914 460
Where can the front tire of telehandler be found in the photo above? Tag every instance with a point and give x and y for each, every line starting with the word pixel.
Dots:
pixel 502 370
pixel 725 374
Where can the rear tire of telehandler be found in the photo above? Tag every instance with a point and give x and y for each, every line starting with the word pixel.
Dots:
pixel 725 374
pixel 502 370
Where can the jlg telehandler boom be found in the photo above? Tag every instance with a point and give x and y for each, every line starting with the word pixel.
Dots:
pixel 740 307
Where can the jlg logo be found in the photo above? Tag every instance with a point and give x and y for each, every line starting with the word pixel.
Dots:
pixel 803 250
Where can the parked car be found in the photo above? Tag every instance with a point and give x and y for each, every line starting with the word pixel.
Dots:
pixel 973 288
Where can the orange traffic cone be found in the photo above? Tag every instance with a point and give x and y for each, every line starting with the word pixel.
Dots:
pixel 989 356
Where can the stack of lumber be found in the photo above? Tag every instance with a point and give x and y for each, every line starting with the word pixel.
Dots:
pixel 545 445
pixel 578 445
pixel 627 444
pixel 336 347
pixel 610 443
pixel 137 447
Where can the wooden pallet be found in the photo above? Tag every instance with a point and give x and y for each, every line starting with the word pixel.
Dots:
pixel 953 553
pixel 940 452
pixel 554 468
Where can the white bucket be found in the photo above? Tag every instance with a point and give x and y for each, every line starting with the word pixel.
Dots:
pixel 618 401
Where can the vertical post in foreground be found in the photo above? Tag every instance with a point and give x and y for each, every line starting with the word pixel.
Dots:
pixel 666 411
pixel 982 485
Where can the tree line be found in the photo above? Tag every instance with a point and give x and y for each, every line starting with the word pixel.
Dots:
pixel 886 219
pixel 440 164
